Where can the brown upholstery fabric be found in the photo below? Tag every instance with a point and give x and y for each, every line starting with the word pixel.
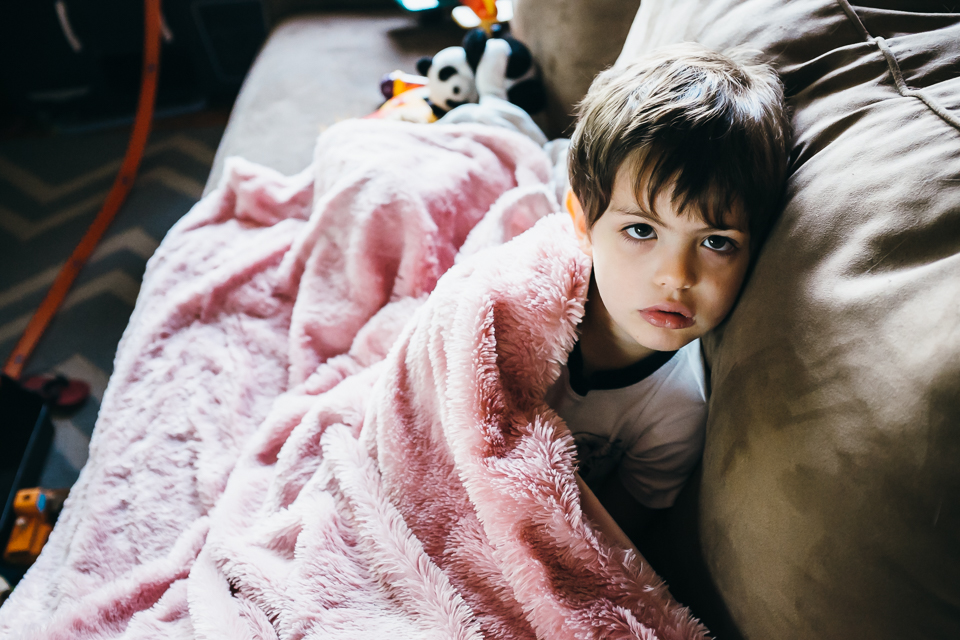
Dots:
pixel 572 41
pixel 829 505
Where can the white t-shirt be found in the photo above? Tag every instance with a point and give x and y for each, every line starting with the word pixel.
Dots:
pixel 646 421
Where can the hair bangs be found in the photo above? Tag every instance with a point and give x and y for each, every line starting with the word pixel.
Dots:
pixel 709 189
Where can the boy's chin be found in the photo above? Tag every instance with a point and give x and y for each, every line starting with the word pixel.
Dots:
pixel 665 339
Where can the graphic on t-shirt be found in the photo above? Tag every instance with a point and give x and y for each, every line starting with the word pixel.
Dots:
pixel 597 457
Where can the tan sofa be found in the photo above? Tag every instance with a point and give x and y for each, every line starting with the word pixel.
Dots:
pixel 829 500
pixel 828 503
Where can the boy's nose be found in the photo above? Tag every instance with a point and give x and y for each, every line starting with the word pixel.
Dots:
pixel 676 271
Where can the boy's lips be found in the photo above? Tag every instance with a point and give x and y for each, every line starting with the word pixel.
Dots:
pixel 669 315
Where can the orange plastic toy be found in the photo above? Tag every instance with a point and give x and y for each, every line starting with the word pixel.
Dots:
pixel 31 528
pixel 486 10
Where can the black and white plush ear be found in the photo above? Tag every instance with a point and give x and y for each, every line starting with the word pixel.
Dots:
pixel 423 65
pixel 474 43
pixel 521 60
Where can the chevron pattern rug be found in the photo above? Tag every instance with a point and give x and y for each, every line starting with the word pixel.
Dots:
pixel 50 191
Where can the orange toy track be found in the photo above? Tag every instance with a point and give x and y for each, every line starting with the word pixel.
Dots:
pixel 118 193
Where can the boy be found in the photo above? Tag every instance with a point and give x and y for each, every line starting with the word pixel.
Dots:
pixel 676 167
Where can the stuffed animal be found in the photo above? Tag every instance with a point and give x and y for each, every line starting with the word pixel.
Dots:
pixel 485 65
pixel 503 66
pixel 450 79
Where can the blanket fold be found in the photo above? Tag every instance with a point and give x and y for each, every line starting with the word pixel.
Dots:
pixel 326 417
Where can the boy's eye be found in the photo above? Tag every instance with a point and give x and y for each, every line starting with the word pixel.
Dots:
pixel 719 243
pixel 641 231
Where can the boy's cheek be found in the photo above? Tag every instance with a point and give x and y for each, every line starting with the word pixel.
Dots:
pixel 727 298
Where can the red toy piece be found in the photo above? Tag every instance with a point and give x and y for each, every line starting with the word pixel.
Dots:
pixel 59 391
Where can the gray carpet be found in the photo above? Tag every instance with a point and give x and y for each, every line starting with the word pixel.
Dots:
pixel 50 190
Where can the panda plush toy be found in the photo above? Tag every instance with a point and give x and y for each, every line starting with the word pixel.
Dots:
pixel 485 65
pixel 450 80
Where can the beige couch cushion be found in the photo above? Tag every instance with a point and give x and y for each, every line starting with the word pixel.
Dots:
pixel 829 505
pixel 571 40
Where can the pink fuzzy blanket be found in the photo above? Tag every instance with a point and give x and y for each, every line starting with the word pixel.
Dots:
pixel 300 440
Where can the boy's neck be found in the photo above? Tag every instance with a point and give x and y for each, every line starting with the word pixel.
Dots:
pixel 603 345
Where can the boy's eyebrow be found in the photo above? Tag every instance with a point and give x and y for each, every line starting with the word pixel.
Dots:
pixel 642 213
pixel 651 215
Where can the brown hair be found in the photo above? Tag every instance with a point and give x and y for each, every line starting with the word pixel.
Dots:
pixel 711 125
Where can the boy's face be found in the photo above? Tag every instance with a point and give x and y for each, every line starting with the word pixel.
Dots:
pixel 664 279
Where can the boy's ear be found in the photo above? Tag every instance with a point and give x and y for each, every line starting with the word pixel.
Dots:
pixel 579 222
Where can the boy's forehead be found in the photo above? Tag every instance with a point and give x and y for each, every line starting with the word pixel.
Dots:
pixel 632 182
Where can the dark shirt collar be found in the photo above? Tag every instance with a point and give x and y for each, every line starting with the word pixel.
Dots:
pixel 612 379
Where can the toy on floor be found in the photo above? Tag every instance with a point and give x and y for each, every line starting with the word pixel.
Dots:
pixel 59 391
pixel 37 510
pixel 496 65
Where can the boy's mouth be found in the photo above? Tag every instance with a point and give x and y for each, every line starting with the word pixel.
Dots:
pixel 669 315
